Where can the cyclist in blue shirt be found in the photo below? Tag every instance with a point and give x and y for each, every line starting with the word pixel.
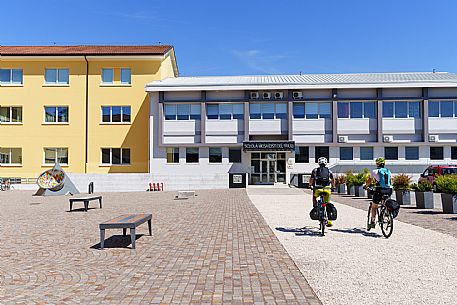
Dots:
pixel 382 177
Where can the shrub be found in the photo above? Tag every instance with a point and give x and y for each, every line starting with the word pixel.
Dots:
pixel 340 179
pixel 447 184
pixel 361 178
pixel 423 186
pixel 401 182
pixel 350 179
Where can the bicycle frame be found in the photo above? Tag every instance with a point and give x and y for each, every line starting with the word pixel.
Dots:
pixel 322 210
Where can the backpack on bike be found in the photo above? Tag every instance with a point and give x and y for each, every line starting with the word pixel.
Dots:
pixel 393 207
pixel 332 213
pixel 314 214
pixel 323 176
pixel 384 177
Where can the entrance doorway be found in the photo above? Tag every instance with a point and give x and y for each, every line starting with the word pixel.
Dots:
pixel 268 168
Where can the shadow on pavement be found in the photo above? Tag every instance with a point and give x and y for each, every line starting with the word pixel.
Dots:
pixel 427 212
pixel 358 231
pixel 117 241
pixel 305 231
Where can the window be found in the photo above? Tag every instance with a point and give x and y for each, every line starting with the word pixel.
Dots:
pixel 235 155
pixel 401 110
pixel 215 155
pixel 321 151
pixel 346 153
pixel 366 153
pixel 108 76
pixel 356 110
pixel 192 155
pixel 447 109
pixel 10 76
pixel 391 153
pixel 10 156
pixel 433 109
pixel 172 155
pixel 182 112
pixel 311 110
pixel 268 111
pixel 454 152
pixel 126 75
pixel 56 114
pixel 301 154
pixel 412 153
pixel 436 153
pixel 10 115
pixel 56 155
pixel 56 76
pixel 225 111
pixel 116 114
pixel 115 156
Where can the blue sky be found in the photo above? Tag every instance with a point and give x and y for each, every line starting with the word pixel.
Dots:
pixel 252 36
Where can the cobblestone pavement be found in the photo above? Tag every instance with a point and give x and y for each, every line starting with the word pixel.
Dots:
pixel 432 219
pixel 212 249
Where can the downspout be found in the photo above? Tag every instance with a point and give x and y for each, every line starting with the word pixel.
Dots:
pixel 87 115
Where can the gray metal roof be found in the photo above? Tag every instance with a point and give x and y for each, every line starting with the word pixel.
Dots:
pixel 414 79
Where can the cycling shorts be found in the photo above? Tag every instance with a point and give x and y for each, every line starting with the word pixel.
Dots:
pixel 379 192
pixel 326 191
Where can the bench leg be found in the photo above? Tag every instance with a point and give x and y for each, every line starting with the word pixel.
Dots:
pixel 100 202
pixel 133 237
pixel 124 232
pixel 86 205
pixel 150 226
pixel 71 206
pixel 102 238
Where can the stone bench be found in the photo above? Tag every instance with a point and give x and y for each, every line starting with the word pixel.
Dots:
pixel 124 222
pixel 185 194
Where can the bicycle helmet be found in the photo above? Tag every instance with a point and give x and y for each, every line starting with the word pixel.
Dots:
pixel 380 161
pixel 322 161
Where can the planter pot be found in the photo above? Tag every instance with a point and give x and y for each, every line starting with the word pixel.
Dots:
pixel 424 200
pixel 449 202
pixel 370 194
pixel 351 190
pixel 359 191
pixel 341 188
pixel 403 197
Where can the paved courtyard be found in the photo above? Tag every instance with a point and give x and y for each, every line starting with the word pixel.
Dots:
pixel 212 249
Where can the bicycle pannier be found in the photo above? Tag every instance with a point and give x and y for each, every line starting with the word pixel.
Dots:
pixel 314 214
pixel 332 213
pixel 393 207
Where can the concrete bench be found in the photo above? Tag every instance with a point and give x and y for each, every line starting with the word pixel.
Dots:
pixel 86 201
pixel 124 222
pixel 185 194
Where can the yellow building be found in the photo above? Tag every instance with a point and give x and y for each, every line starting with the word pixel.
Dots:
pixel 83 106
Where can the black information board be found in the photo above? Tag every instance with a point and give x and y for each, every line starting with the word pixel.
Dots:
pixel 269 146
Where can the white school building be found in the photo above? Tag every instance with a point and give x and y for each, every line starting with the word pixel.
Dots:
pixel 270 127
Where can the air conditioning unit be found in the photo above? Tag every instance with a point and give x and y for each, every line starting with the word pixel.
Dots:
pixel 433 138
pixel 266 95
pixel 279 95
pixel 254 95
pixel 388 139
pixel 342 139
pixel 297 95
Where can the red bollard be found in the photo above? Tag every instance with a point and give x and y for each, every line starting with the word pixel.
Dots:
pixel 162 185
pixel 150 186
pixel 154 186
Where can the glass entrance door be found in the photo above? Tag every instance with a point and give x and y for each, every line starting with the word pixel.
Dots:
pixel 268 168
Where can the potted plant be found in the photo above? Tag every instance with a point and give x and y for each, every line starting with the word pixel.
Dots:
pixel 340 182
pixel 370 187
pixel 350 183
pixel 359 181
pixel 402 186
pixel 448 185
pixel 424 195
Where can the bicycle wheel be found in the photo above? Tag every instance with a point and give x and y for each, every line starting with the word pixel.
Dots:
pixel 369 218
pixel 3 187
pixel 387 222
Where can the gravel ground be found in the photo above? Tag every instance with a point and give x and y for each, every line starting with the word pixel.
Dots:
pixel 352 266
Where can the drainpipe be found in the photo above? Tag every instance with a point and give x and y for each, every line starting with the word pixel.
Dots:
pixel 87 115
